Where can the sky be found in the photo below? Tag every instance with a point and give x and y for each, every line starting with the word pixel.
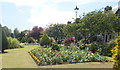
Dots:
pixel 24 14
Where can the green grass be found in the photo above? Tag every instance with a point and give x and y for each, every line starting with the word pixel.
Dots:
pixel 19 58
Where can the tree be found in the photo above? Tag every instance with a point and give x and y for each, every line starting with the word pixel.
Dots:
pixel 100 23
pixel 24 39
pixel 16 33
pixel 45 40
pixel 94 23
pixel 7 31
pixel 108 8
pixel 4 41
pixel 73 29
pixel 36 32
pixel 23 36
pixel 56 31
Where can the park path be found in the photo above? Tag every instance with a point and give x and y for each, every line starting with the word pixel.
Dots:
pixel 19 58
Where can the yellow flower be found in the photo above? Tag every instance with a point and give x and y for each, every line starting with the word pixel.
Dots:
pixel 86 60
pixel 38 60
pixel 76 52
pixel 75 61
pixel 92 53
pixel 82 51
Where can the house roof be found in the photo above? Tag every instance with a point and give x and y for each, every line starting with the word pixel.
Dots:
pixel 116 8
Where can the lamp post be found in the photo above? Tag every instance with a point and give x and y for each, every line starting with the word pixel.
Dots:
pixel 76 9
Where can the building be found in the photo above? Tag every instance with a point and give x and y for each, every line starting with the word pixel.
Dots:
pixel 116 10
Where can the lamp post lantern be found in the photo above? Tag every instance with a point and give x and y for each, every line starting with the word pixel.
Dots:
pixel 76 9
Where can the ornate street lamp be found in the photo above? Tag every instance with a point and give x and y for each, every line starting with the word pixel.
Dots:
pixel 76 9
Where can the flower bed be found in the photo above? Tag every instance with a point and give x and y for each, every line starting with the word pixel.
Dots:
pixel 70 55
pixel 34 57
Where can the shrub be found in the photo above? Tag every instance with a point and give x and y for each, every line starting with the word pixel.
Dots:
pixel 94 47
pixel 109 47
pixel 24 39
pixel 80 44
pixel 55 46
pixel 13 43
pixel 4 41
pixel 45 40
pixel 116 53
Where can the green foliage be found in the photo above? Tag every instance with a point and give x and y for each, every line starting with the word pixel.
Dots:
pixel 56 31
pixel 16 33
pixel 74 29
pixel 4 41
pixel 55 46
pixel 45 40
pixel 13 43
pixel 24 39
pixel 94 47
pixel 7 31
pixel 102 48
pixel 23 36
pixel 116 53
pixel 108 8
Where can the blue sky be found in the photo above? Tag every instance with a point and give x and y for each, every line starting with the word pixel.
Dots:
pixel 24 14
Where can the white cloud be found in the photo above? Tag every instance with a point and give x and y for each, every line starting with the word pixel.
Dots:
pixel 50 15
pixel 33 3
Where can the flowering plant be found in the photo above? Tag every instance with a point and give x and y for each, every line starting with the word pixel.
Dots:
pixel 50 57
pixel 68 41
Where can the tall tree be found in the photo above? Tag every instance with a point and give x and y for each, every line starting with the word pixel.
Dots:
pixel 36 32
pixel 23 36
pixel 55 31
pixel 73 29
pixel 16 33
pixel 108 8
pixel 7 31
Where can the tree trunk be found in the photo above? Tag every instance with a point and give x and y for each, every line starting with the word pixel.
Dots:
pixel 2 51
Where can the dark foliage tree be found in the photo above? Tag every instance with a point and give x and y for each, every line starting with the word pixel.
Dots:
pixel 36 32
pixel 4 41
pixel 16 33
pixel 7 31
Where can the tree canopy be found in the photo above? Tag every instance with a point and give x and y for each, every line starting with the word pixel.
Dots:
pixel 55 31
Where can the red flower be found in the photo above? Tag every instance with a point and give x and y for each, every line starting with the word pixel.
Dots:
pixel 62 53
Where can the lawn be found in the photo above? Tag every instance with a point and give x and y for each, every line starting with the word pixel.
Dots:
pixel 19 58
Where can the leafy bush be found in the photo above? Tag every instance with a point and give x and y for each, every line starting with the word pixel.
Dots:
pixel 94 47
pixel 13 43
pixel 116 53
pixel 68 41
pixel 80 44
pixel 55 46
pixel 45 40
pixel 103 48
pixel 24 39
pixel 109 47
